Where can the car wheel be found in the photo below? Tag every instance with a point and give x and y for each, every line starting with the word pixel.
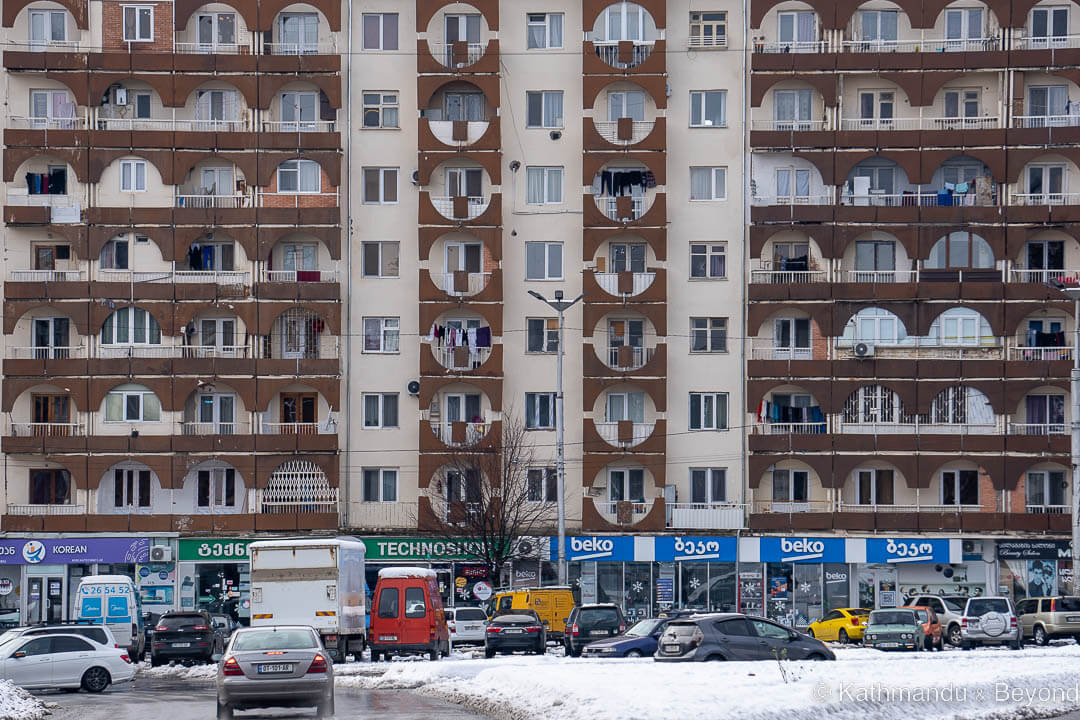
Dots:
pixel 374 655
pixel 941 643
pixel 434 653
pixel 955 637
pixel 489 653
pixel 1018 643
pixel 810 632
pixel 326 709
pixel 842 637
pixel 633 653
pixel 715 658
pixel 96 679
pixel 816 657
pixel 1040 635
pixel 224 711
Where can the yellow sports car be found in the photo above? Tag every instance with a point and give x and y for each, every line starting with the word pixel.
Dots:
pixel 841 625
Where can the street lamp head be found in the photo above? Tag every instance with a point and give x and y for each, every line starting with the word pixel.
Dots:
pixel 558 294
pixel 538 296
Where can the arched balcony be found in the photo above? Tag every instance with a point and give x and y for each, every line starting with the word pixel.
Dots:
pixel 874 410
pixel 131 409
pixel 131 181
pixel 49 106
pixel 790 257
pixel 957 333
pixel 625 341
pixel 790 106
pixel 789 410
pixel 1042 411
pixel 50 490
pixel 1047 255
pixel 877 257
pixel 133 332
pixel 213 258
pixel 299 257
pixel 961 256
pixel 461 264
pixel 300 409
pixel 214 409
pixel 212 487
pixel 1047 489
pixel 624 190
pixel 45 27
pixel 624 35
pixel 299 183
pixel 460 414
pixel 794 29
pixel 876 104
pixel 458 36
pixel 46 258
pixel 460 189
pixel 627 415
pixel 625 113
pixel 304 107
pixel 132 488
pixel 782 179
pixel 297 487
pixel 625 266
pixel 625 492
pixel 50 182
pixel 47 410
pixel 214 32
pixel 1047 180
pixel 214 183
pixel 788 334
pixel 459 113
pixel 877 486
pixel 299 334
pixel 301 29
pixel 46 333
pixel 957 487
pixel 1044 335
pixel 462 340
pixel 130 258
pixel 791 486
pixel 216 333
pixel 880 182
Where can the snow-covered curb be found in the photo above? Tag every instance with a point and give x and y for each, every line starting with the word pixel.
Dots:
pixel 179 672
pixel 17 704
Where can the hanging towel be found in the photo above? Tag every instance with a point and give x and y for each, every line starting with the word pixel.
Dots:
pixel 650 179
pixel 472 337
pixel 483 337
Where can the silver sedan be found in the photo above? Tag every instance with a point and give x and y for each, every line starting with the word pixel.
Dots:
pixel 278 666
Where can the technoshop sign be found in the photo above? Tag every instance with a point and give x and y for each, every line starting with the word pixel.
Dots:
pixel 74 551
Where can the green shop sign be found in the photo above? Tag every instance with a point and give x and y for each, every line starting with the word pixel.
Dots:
pixel 398 549
pixel 213 550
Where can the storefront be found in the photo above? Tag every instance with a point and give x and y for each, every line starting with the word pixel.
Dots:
pixel 214 574
pixel 39 577
pixel 1034 568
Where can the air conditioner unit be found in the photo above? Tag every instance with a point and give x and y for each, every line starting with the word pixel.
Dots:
pixel 864 350
pixel 161 553
pixel 973 547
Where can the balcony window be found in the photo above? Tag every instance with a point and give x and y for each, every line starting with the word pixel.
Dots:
pixel 216 488
pixel 298 334
pixel 626 104
pixel 961 405
pixel 1045 491
pixel 962 104
pixel 130 326
pixel 380 485
pixel 790 486
pixel 52 338
pixel 299 111
pixel 544 185
pixel 791 337
pixel 298 486
pixel 625 406
pixel 879 25
pixel 217 333
pixel 461 28
pixel 876 326
pixel 1045 255
pixel 627 257
pixel 708 261
pixel 216 181
pixel 216 31
pixel 544 30
pixel 626 484
pixel 1049 27
pixel 1045 411
pixel 873 404
pixel 544 109
pixel 51 409
pixel 300 257
pixel 875 256
pixel 539 411
pixel 963 25
pixel 463 257
pixel 708 29
pixel 877 180
pixel 138 23
pixel 1046 333
pixel 1046 101
pixel 465 182
pixel 131 488
pixel 543 485
pixel 708 411
pixel 543 335
pixel 51 108
pixel 708 334
pixel 797 29
pixel 381 109
pixel 133 176
pixel 623 21
pixel 961 250
pixel 299 177
pixel 208 257
pixel 381 334
pixel 50 487
pixel 1046 183
pixel 708 108
pixel 114 255
pixel 960 487
pixel 708 485
pixel 543 261
pixel 217 412
pixel 299 412
pixel 380 259
pixel 132 403
pixel 955 173
pixel 380 31
pixel 792 109
pixel 462 407
pixel 792 185
pixel 463 107
pixel 47 27
pixel 298 34
pixel 463 486
pixel 380 410
pixel 626 333
pixel 874 487
pixel 51 182
pixel 46 256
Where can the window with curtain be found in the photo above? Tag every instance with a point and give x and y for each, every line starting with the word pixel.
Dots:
pixel 625 406
pixel 792 183
pixel 544 109
pixel 626 104
pixel 544 30
pixel 464 107
pixel 130 326
pixel 708 183
pixel 960 250
pixel 708 485
pixel 379 485
pixel 132 403
pixel 544 185
pixel 793 105
pixel 299 176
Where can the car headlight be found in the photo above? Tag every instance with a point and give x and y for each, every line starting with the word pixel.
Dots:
pixel 907 636
pixel 873 637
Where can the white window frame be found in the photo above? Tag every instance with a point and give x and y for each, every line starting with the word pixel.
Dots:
pixel 537 400
pixel 1044 479
pixel 387 100
pixel 717 180
pixel 151 321
pixel 709 474
pixel 124 395
pixel 137 10
pixel 549 250
pixel 546 96
pixel 954 329
pixel 1050 39
pixel 627 406
pixel 956 487
pixel 296 167
pixel 217 479
pixel 711 323
pixel 382 245
pixel 698 102
pixel 698 23
pixel 874 499
pixel 292 99
pixel 715 418
pixel 382 475
pixel 130 180
pixel 387 176
pixel 383 45
pixel 708 251
pixel 546 175
pixel 879 321
pixel 550 342
pixel 545 21
pixel 389 333
pixel 379 422
pixel 47 22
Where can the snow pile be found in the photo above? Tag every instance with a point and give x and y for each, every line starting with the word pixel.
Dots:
pixel 988 683
pixel 17 704
pixel 179 672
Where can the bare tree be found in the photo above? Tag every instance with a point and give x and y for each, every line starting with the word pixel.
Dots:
pixel 486 500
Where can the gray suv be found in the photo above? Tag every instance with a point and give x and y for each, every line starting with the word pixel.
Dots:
pixel 1046 618
pixel 990 621
pixel 949 609
pixel 731 636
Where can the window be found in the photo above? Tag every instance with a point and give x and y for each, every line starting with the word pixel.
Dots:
pixel 216 488
pixel 415 605
pixel 51 409
pixel 539 411
pixel 299 176
pixel 299 111
pixel 543 335
pixel 626 484
pixel 708 411
pixel 298 34
pixel 961 249
pixel 708 334
pixel 877 257
pixel 462 107
pixel 380 186
pixel 621 406
pixel 792 109
pixel 380 259
pixel 1046 489
pixel 140 105
pixel 797 30
pixel 543 261
pixel 708 485
pixel 708 108
pixel 791 338
pixel 132 403
pixel 708 29
pixel 957 327
pixel 380 485
pixel 380 31
pixel 1045 255
pixel 961 26
pixel 380 109
pixel 626 104
pixel 792 184
pixel 114 255
pixel 48 106
pixel 544 30
pixel 960 487
pixel 876 109
pixel 381 334
pixel 544 185
pixel 544 109
pixel 708 183
pixel 627 257
pixel 131 488
pixel 876 326
pixel 138 23
pixel 50 487
pixel 217 412
pixel 130 326
pixel 1044 414
pixel 874 487
pixel 47 27
pixel 1049 27
pixel 380 410
pixel 879 25
pixel 962 104
pixel 790 486
pixel 1047 101
pixel 132 176
pixel 543 484
pixel 1046 183
pixel 873 404
pixel 215 31
pixel 708 262
pixel 389 597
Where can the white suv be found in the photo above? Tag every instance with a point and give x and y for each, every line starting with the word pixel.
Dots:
pixel 990 621
pixel 949 609
pixel 466 625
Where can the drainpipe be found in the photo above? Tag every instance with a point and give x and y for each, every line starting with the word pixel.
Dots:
pixel 344 514
pixel 746 245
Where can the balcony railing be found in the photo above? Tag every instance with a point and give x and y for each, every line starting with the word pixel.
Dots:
pixel 293 428
pixel 932 45
pixel 473 432
pixel 808 46
pixel 1047 43
pixel 47 45
pixel 380 515
pixel 219 277
pixel 473 208
pixel 1045 198
pixel 906 199
pixel 1023 275
pixel 610 509
pixel 299 126
pixel 138 351
pixel 788 125
pixel 1040 353
pixel 946 123
pixel 215 351
pixel 1038 428
pixel 609 282
pixel 705 516
pixel 907 508
pixel 21 122
pixel 46 353
pixel 327 47
pixel 46 510
pixel 609 432
pixel 780 200
pixel 147 124
pixel 224 202
pixel 330 275
pixel 793 506
pixel 610 207
pixel 24 199
pixel 214 428
pixel 701 41
pixel 297 199
pixel 882 276
pixel 444 53
pixel 766 351
pixel 799 428
pixel 34 429
pixel 461 358
pixel 608 51
pixel 638 357
pixel 307 500
pixel 916 427
pixel 451 282
pixel 1045 121
pixel 443 130
pixel 46 276
pixel 788 277
pixel 1047 509
pixel 609 130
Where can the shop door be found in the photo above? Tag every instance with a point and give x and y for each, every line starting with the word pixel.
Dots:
pixel 45 599
pixel 878 588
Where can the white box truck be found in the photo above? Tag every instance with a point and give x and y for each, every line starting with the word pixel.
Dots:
pixel 312 582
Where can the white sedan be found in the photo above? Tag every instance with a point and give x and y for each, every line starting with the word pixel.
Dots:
pixel 68 662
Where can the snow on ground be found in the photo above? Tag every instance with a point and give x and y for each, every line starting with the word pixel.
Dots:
pixel 990 683
pixel 17 704
pixel 179 672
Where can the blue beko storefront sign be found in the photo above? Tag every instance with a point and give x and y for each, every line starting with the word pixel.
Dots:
pixel 907 550
pixel 596 548
pixel 802 549
pixel 688 549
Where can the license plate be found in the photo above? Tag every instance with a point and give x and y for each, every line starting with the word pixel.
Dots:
pixel 471 627
pixel 181 644
pixel 597 633
pixel 388 638
pixel 889 644
pixel 673 648
pixel 1073 618
pixel 276 668
pixel 513 631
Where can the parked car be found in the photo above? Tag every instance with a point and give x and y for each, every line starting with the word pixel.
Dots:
pixel 841 625
pixel 275 666
pixel 733 636
pixel 639 641
pixel 893 629
pixel 592 622
pixel 150 620
pixel 10 617
pixel 948 608
pixel 409 617
pixel 224 626
pixel 553 604
pixel 1043 619
pixel 515 630
pixel 990 621
pixel 466 624
pixel 100 634
pixel 66 661
pixel 932 634
pixel 184 635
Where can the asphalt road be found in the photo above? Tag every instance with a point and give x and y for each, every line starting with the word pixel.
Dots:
pixel 186 700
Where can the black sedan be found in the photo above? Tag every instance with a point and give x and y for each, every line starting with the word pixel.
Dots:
pixel 519 630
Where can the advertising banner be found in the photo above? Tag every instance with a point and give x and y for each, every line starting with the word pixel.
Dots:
pixel 70 551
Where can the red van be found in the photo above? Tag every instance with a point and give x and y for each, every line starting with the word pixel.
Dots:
pixel 407 615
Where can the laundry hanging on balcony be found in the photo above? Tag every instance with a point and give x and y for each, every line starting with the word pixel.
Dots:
pixel 53 182
pixel 616 183
pixel 451 336
pixel 1044 339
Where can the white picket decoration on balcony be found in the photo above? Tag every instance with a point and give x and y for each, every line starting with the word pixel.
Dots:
pixel 298 486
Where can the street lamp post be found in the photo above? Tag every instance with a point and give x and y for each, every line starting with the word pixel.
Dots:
pixel 560 306
pixel 1073 291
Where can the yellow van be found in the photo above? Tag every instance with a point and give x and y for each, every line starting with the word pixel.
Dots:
pixel 552 604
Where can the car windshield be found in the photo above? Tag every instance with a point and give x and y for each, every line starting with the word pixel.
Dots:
pixel 644 628
pixel 956 604
pixel 1066 604
pixel 469 614
pixel 892 617
pixel 175 622
pixel 297 639
pixel 981 606
pixel 599 616
pixel 923 615
pixel 682 629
